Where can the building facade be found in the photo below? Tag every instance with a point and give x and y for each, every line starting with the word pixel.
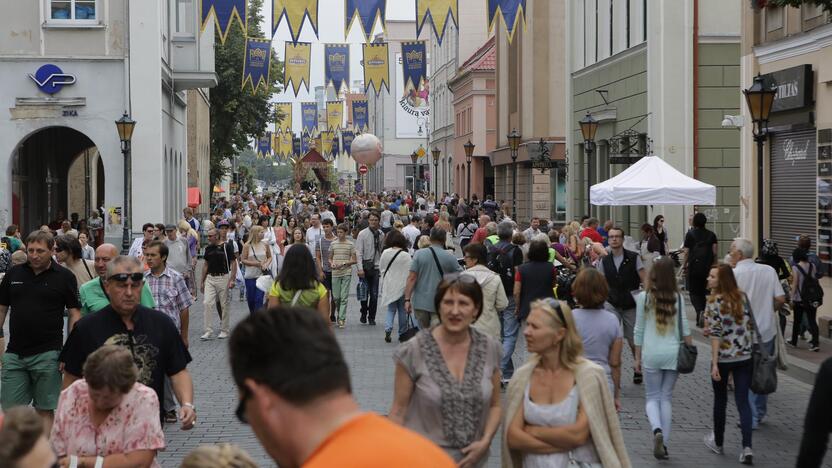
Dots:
pixel 199 146
pixel 70 69
pixel 475 120
pixel 659 77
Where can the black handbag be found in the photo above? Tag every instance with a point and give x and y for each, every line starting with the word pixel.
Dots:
pixel 686 358
pixel 764 373
pixel 411 330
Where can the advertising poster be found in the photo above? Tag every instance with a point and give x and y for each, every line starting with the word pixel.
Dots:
pixel 412 107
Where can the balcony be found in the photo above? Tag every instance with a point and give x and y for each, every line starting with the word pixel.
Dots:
pixel 192 51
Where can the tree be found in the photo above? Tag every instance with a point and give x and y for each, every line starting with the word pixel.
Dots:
pixel 237 115
pixel 825 4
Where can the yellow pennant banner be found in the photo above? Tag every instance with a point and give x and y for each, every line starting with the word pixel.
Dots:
pixel 376 66
pixel 283 123
pixel 296 67
pixel 325 141
pixel 284 146
pixel 440 11
pixel 295 11
pixel 334 114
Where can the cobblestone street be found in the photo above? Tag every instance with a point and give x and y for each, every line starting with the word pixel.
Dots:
pixel 775 442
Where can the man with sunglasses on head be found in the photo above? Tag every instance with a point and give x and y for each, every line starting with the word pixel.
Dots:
pixel 295 392
pixel 150 335
pixel 37 292
pixel 147 235
pixel 92 295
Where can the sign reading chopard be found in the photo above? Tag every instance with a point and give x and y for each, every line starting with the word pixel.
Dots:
pixel 794 88
pixel 51 79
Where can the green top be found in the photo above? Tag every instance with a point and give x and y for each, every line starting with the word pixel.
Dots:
pixel 308 298
pixel 93 298
pixel 494 238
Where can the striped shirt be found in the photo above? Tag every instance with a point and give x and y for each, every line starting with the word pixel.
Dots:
pixel 170 293
pixel 341 252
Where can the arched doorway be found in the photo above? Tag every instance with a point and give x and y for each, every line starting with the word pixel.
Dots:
pixel 56 171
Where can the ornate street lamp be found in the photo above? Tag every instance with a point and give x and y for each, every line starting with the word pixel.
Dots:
pixel 469 156
pixel 588 128
pixel 514 146
pixel 436 153
pixel 760 99
pixel 125 126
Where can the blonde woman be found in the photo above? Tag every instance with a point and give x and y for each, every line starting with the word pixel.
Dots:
pixel 257 257
pixel 559 405
pixel 218 456
pixel 572 241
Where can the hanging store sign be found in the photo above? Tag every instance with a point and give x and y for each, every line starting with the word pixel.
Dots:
pixel 794 88
pixel 51 79
pixel 628 147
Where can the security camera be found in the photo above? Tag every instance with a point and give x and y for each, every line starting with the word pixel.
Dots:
pixel 726 122
pixel 733 121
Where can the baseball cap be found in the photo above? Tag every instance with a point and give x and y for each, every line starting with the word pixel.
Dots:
pixel 222 224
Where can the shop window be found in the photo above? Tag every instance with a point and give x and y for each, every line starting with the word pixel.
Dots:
pixel 72 11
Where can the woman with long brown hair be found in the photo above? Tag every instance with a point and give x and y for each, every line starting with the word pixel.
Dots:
pixel 729 324
pixel 659 311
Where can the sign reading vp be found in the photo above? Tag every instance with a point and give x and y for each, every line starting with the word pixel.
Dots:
pixel 50 79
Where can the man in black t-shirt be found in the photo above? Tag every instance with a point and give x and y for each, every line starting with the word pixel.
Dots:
pixel 150 335
pixel 700 255
pixel 218 277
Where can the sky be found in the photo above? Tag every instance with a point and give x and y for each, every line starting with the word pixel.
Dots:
pixel 331 30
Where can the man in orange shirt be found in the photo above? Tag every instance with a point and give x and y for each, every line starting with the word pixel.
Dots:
pixel 295 392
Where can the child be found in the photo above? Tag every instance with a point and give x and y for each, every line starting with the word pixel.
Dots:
pixel 341 259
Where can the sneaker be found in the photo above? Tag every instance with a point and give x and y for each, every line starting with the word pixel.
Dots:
pixel 222 335
pixel 205 336
pixel 746 456
pixel 814 348
pixel 387 338
pixel 170 417
pixel 658 445
pixel 372 322
pixel 363 318
pixel 340 324
pixel 710 442
pixel 637 378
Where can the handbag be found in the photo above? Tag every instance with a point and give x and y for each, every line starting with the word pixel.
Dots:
pixel 686 357
pixel 764 372
pixel 411 331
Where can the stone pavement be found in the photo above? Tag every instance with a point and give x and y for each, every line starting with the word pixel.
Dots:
pixel 369 357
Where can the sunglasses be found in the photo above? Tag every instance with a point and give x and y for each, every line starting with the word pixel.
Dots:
pixel 555 304
pixel 241 406
pixel 149 230
pixel 123 277
pixel 460 277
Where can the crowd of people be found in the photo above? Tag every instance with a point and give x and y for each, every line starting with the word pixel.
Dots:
pixel 576 291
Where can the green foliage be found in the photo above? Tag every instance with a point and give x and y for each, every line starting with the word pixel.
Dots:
pixel 825 4
pixel 263 169
pixel 237 115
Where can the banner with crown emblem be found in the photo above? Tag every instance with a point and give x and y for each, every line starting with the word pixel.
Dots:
pixel 513 13
pixel 305 141
pixel 334 114
pixel 347 136
pixel 337 66
pixel 257 63
pixel 439 12
pixel 225 12
pixel 285 145
pixel 367 12
pixel 264 145
pixel 294 11
pixel 376 66
pixel 414 64
pixel 309 113
pixel 283 124
pixel 325 142
pixel 359 114
pixel 296 66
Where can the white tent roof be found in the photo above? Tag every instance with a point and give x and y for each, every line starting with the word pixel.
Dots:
pixel 651 181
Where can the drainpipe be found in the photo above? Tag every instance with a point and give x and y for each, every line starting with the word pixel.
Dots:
pixel 695 88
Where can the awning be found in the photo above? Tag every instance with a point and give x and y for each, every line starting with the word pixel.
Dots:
pixel 652 181
pixel 218 189
pixel 194 197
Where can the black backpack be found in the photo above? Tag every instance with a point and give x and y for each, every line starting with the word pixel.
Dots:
pixel 701 258
pixel 501 261
pixel 811 294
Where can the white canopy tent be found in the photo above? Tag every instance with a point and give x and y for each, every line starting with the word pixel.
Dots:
pixel 652 181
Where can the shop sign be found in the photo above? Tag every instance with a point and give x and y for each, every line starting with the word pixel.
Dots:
pixel 794 88
pixel 541 156
pixel 51 79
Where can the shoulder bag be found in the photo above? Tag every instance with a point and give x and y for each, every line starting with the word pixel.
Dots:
pixel 764 373
pixel 686 358
pixel 391 263
pixel 436 260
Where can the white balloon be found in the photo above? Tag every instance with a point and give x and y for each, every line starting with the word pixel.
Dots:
pixel 366 149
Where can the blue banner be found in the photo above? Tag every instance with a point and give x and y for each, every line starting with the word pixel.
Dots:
pixel 347 136
pixel 359 115
pixel 512 11
pixel 225 11
pixel 309 116
pixel 264 145
pixel 368 11
pixel 257 63
pixel 295 146
pixel 336 145
pixel 337 66
pixel 305 141
pixel 414 64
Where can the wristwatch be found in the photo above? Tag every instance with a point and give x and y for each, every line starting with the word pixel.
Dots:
pixel 189 405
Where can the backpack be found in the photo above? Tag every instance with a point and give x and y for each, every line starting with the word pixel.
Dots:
pixel 501 261
pixel 5 258
pixel 810 291
pixel 701 258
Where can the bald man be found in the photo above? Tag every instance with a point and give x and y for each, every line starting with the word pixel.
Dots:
pixel 93 297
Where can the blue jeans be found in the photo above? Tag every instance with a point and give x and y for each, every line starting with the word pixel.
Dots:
pixel 658 391
pixel 759 403
pixel 510 325
pixel 254 296
pixel 396 308
pixel 742 381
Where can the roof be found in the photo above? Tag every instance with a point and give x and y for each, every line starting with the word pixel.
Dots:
pixel 484 59
pixel 313 156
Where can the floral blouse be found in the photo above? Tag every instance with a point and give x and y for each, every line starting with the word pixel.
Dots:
pixel 133 425
pixel 735 337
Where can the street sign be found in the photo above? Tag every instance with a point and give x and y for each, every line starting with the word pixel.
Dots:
pixel 540 156
pixel 624 159
pixel 362 169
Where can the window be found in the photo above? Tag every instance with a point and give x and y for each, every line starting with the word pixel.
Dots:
pixel 76 11
pixel 774 19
